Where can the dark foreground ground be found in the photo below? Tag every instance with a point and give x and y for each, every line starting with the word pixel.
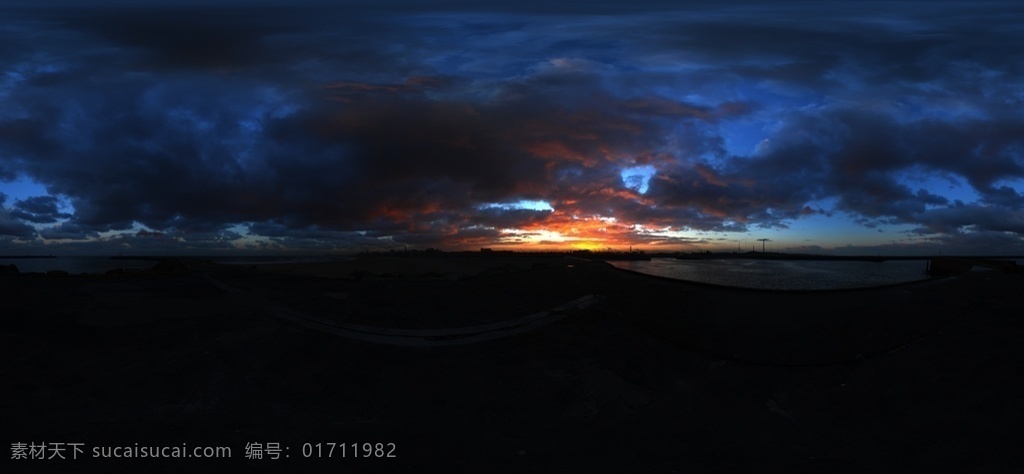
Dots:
pixel 656 376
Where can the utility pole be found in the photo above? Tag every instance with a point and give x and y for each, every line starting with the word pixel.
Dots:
pixel 762 244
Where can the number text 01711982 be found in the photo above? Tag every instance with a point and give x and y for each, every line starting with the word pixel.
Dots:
pixel 349 450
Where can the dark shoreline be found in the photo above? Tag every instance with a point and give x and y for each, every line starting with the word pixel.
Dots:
pixel 658 376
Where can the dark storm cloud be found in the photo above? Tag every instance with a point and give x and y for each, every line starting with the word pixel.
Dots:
pixel 509 219
pixel 187 36
pixel 11 226
pixel 68 230
pixel 974 217
pixel 38 210
pixel 862 156
pixel 395 122
pixel 1003 196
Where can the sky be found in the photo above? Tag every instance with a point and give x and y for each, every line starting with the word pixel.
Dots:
pixel 227 126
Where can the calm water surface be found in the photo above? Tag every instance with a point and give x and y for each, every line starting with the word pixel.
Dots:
pixel 75 265
pixel 95 265
pixel 782 274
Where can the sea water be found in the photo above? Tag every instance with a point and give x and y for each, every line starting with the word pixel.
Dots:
pixel 285 259
pixel 783 274
pixel 76 265
pixel 100 264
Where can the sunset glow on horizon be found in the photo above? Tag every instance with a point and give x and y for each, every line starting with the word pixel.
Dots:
pixel 230 126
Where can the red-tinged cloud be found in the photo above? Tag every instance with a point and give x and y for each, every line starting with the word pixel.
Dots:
pixel 363 126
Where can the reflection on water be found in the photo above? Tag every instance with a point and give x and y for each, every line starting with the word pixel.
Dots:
pixel 783 274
